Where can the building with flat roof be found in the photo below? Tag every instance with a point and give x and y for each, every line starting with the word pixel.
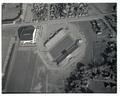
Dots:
pixel 27 34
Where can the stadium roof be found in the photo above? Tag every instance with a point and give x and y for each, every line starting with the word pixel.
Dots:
pixel 26 32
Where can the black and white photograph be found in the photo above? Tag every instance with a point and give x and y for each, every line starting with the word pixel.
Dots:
pixel 58 48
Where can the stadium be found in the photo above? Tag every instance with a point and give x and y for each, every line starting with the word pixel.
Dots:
pixel 60 46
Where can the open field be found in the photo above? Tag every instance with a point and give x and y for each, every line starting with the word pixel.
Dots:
pixel 21 72
pixel 7 34
pixel 98 87
pixel 39 78
pixel 9 31
pixel 104 7
pixel 89 35
pixel 56 81
pixel 5 46
pixel 10 10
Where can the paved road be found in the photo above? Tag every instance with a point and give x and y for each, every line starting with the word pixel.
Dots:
pixel 84 18
pixel 100 12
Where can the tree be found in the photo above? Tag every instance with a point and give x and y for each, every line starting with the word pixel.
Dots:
pixel 77 82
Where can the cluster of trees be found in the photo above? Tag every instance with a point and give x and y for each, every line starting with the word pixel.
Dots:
pixel 77 82
pixel 40 11
pixel 112 19
pixel 105 71
pixel 110 57
pixel 62 10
